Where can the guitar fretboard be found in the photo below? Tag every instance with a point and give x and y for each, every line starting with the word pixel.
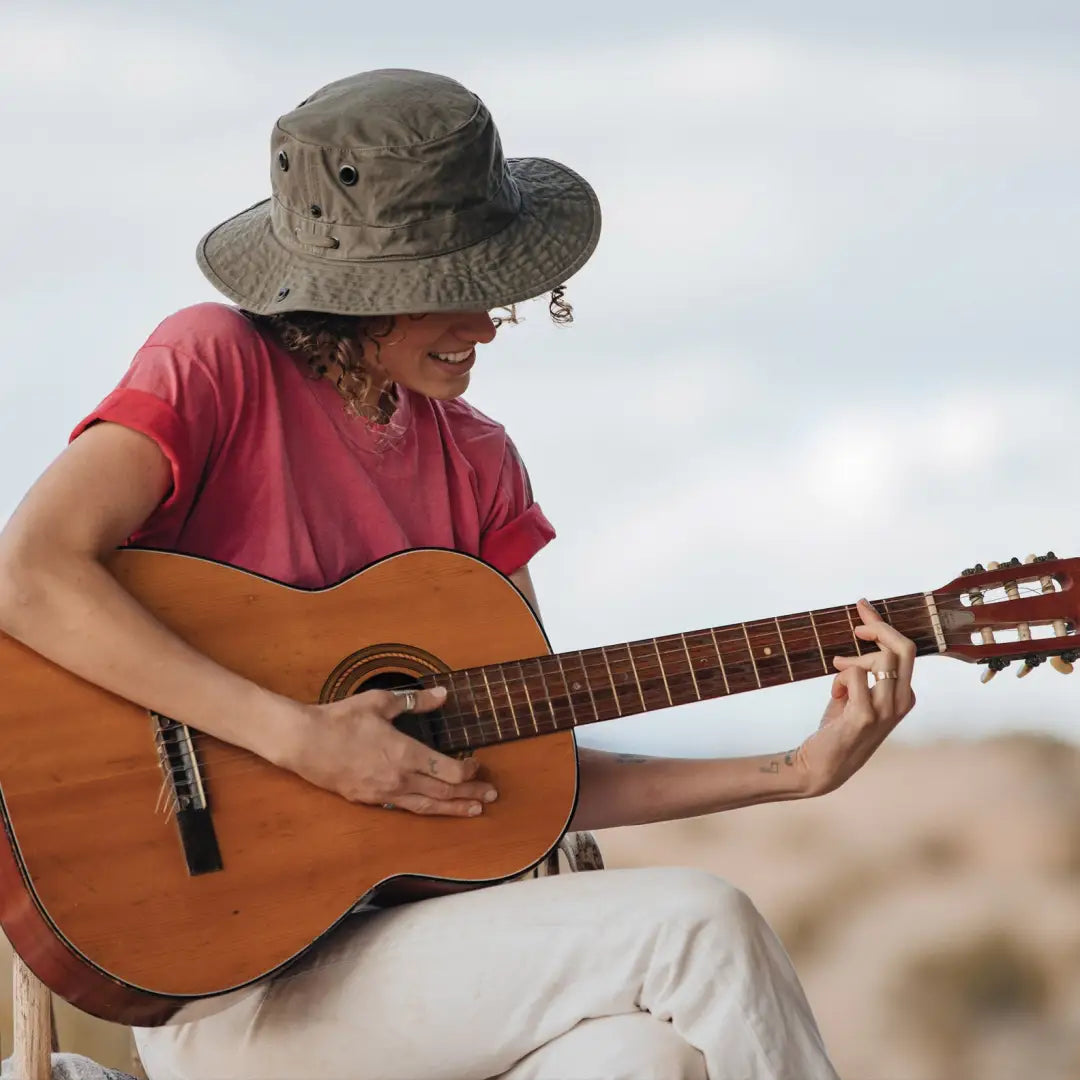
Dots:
pixel 543 694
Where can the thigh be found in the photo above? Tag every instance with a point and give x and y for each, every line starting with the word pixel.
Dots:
pixel 456 988
pixel 630 1046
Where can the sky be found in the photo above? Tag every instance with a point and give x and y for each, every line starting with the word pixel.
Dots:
pixel 826 347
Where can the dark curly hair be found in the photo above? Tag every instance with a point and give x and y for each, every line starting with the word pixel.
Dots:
pixel 340 342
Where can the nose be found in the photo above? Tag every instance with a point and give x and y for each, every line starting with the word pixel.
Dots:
pixel 477 326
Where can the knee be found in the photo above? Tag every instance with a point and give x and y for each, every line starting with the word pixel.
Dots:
pixel 697 896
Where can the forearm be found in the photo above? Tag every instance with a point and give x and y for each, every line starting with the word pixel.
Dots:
pixel 72 611
pixel 628 789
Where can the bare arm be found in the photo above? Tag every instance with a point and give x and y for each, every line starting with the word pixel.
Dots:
pixel 630 789
pixel 57 597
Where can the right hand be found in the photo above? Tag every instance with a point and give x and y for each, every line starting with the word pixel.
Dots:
pixel 351 747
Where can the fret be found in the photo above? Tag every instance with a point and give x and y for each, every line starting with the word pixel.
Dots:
pixel 494 707
pixel 817 638
pixel 663 673
pixel 768 653
pixel 783 645
pixel 690 665
pixel 475 708
pixel 588 684
pixel 547 694
pixel 858 644
pixel 450 716
pixel 680 681
pixel 611 679
pixel 637 679
pixel 573 691
pixel 720 660
pixel 528 696
pixel 750 649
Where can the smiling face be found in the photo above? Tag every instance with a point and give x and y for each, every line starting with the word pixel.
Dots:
pixel 430 354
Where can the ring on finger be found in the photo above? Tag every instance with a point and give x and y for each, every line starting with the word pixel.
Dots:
pixel 879 675
pixel 408 697
pixel 388 806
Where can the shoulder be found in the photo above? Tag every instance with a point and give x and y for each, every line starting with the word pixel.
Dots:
pixel 214 340
pixel 204 330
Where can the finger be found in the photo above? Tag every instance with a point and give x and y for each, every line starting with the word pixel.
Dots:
pixel 879 662
pixel 392 705
pixel 424 804
pixel 422 759
pixel 474 791
pixel 858 693
pixel 874 628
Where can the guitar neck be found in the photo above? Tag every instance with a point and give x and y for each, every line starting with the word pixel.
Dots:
pixel 543 694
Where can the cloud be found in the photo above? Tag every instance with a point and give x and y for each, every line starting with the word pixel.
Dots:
pixel 826 346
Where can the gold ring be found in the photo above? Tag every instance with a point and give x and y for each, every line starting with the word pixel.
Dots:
pixel 879 675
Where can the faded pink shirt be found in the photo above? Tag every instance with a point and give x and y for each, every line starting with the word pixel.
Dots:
pixel 270 474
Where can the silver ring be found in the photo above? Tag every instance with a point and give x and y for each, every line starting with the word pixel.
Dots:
pixel 879 675
pixel 408 696
pixel 388 806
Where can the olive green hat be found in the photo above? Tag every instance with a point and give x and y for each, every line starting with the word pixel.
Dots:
pixel 390 194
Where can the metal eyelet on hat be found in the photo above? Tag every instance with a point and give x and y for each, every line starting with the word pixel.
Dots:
pixel 283 160
pixel 283 292
pixel 315 210
pixel 348 175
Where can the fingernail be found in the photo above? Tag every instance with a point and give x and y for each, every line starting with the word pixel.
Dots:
pixel 439 691
pixel 475 810
pixel 490 796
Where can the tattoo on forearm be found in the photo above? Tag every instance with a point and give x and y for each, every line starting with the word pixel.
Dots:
pixel 774 765
pixel 630 759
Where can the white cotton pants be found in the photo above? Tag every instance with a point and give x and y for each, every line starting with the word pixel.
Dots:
pixel 652 974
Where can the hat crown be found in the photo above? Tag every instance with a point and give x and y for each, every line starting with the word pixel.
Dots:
pixel 389 162
pixel 387 109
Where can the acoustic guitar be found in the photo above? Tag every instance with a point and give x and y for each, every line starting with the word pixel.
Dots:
pixel 147 865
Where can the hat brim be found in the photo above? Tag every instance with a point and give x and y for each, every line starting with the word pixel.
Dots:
pixel 551 238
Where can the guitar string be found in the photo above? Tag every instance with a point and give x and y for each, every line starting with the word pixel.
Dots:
pixel 231 763
pixel 466 721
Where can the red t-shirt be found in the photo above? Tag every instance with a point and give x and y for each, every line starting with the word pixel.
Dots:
pixel 269 473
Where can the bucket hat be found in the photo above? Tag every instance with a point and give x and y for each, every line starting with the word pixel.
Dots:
pixel 390 194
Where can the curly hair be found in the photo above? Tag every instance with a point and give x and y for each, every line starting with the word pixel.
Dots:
pixel 324 341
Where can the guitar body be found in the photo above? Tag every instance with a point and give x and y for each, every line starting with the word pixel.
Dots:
pixel 97 892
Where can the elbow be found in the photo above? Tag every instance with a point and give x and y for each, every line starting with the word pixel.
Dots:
pixel 23 589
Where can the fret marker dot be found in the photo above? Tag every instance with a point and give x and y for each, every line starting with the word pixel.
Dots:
pixel 577 686
pixel 768 651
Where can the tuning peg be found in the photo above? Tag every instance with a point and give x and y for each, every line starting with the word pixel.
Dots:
pixel 993 666
pixel 1059 663
pixel 1030 664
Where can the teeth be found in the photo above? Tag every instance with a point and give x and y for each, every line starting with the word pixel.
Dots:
pixel 453 357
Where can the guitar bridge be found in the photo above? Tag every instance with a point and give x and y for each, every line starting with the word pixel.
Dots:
pixel 184 786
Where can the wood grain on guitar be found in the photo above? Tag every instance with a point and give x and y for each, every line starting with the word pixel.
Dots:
pixel 147 865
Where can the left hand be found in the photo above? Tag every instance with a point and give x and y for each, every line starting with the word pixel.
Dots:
pixel 859 717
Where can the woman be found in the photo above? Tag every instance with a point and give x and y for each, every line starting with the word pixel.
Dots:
pixel 313 428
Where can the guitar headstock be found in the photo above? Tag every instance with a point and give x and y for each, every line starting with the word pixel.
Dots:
pixel 1002 612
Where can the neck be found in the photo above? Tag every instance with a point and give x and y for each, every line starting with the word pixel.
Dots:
pixel 524 698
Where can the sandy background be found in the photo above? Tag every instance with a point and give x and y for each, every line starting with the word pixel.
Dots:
pixel 932 906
